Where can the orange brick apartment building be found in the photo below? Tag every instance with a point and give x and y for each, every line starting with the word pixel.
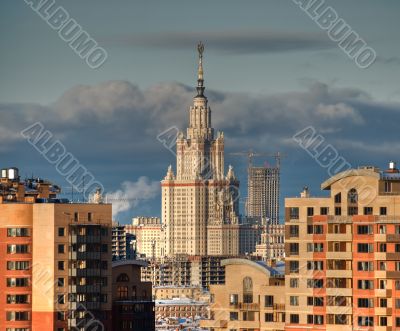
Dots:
pixel 343 254
pixel 55 259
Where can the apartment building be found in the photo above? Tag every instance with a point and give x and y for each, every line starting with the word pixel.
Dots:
pixel 150 236
pixel 252 298
pixel 343 253
pixel 133 307
pixel 56 270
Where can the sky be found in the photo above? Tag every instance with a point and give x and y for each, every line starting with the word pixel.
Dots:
pixel 270 72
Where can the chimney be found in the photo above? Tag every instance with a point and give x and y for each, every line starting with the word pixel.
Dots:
pixel 392 167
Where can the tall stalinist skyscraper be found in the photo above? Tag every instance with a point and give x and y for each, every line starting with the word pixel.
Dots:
pixel 200 203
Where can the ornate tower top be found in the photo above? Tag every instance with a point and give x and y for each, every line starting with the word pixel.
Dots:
pixel 200 78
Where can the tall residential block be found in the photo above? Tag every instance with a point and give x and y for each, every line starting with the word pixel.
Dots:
pixel 343 253
pixel 263 193
pixel 56 259
pixel 200 202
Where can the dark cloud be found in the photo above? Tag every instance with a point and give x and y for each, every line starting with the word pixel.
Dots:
pixel 233 42
pixel 112 129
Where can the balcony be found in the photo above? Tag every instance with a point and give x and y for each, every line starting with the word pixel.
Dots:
pixel 394 238
pixel 249 306
pixel 393 274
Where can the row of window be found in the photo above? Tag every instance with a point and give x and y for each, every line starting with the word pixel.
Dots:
pixel 351 210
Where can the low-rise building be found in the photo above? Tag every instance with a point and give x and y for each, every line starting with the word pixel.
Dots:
pixel 170 291
pixel 252 297
pixel 181 307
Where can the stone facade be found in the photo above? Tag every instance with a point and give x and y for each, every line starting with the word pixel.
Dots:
pixel 200 203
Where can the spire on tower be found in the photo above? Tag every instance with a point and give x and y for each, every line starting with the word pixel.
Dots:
pixel 200 79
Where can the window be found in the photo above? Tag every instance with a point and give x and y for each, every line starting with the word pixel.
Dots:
pixel 61 249
pixel 233 316
pixel 268 301
pixel 338 211
pixel 368 210
pixel 233 299
pixel 248 316
pixel 60 282
pixel 293 231
pixel 383 321
pixel 315 283
pixel 294 248
pixel 324 211
pixel 122 278
pixel 17 282
pixel 388 187
pixel 294 213
pixel 294 282
pixel 319 319
pixel 365 266
pixel 61 265
pixel 17 316
pixel 315 265
pixel 352 211
pixel 17 265
pixel 17 298
pixel 364 229
pixel 294 300
pixel 310 319
pixel 76 217
pixel 269 317
pixel 382 229
pixel 90 217
pixel 383 302
pixel 122 292
pixel 365 321
pixel 352 196
pixel 365 248
pixel 17 249
pixel 61 232
pixel 310 211
pixel 60 316
pixel 315 247
pixel 382 211
pixel 294 318
pixel 338 198
pixel 61 299
pixel 17 232
pixel 365 302
pixel 294 267
pixel 365 284
pixel 382 247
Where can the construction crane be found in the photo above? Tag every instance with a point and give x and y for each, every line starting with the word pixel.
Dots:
pixel 250 155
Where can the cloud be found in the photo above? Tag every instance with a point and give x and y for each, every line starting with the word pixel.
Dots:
pixel 339 111
pixel 131 193
pixel 232 42
pixel 112 128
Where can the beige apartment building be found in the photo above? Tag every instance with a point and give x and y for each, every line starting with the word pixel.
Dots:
pixel 252 298
pixel 343 253
pixel 150 236
pixel 200 202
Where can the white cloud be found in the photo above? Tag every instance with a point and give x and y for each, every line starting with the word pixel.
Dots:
pixel 131 194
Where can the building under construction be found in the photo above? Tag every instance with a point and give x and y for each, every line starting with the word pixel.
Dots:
pixel 263 192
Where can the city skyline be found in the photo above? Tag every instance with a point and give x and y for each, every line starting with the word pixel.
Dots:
pixel 286 75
